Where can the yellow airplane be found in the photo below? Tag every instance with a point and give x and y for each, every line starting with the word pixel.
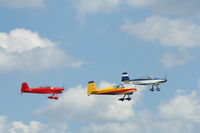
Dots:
pixel 113 90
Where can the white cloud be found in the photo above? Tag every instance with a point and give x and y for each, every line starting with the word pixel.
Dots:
pixel 143 121
pixel 177 33
pixel 23 49
pixel 83 107
pixel 21 3
pixel 169 32
pixel 18 126
pixel 186 107
pixel 169 59
pixel 174 7
pixel 179 114
pixel 31 127
pixel 20 40
pixel 110 128
pixel 3 126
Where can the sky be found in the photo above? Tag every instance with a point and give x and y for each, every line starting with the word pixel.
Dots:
pixel 70 42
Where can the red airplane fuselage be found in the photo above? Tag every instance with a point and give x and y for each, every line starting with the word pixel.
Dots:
pixel 42 90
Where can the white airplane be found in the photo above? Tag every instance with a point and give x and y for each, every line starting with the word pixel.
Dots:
pixel 148 80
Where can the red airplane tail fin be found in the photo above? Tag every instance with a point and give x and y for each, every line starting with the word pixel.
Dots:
pixel 24 87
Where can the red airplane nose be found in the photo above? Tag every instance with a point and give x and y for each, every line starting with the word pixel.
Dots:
pixel 61 89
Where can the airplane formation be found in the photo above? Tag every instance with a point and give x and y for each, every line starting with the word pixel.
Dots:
pixel 92 89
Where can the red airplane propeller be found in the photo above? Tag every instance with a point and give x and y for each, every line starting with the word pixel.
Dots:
pixel 43 90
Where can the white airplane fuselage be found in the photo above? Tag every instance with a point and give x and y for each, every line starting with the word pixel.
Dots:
pixel 154 81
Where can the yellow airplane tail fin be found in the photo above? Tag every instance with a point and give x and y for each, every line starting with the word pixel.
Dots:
pixel 91 87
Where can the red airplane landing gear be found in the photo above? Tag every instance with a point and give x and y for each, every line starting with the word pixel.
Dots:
pixel 52 97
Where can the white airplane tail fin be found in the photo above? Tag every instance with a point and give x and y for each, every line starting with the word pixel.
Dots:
pixel 125 77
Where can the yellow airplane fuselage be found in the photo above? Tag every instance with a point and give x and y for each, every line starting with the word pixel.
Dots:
pixel 113 90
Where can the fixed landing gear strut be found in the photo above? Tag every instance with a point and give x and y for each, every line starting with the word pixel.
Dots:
pixel 123 98
pixel 52 97
pixel 157 88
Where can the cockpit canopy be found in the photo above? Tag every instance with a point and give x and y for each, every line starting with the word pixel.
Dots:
pixel 45 86
pixel 118 86
pixel 147 77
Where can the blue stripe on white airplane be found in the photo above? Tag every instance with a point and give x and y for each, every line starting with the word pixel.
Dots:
pixel 148 80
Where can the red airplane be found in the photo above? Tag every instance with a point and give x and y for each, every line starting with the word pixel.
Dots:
pixel 43 90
